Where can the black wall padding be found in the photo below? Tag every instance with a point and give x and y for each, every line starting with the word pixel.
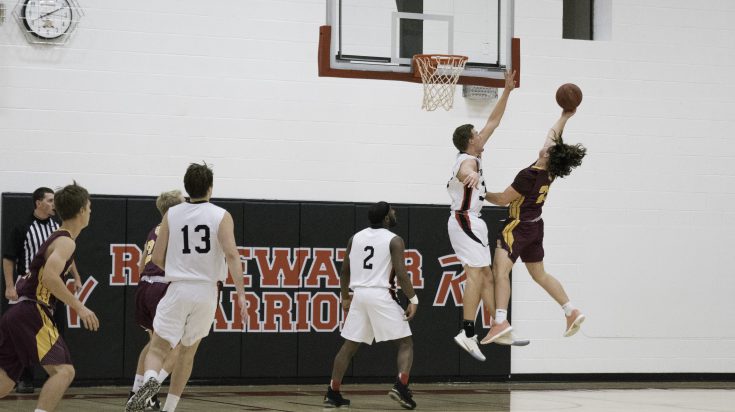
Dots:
pixel 280 342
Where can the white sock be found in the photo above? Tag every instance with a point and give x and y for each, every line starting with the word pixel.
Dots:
pixel 137 382
pixel 39 410
pixel 501 315
pixel 150 373
pixel 568 308
pixel 171 402
pixel 162 376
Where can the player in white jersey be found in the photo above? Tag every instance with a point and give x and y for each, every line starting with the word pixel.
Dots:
pixel 374 261
pixel 195 246
pixel 467 232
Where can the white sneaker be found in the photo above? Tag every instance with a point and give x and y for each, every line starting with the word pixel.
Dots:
pixel 510 340
pixel 470 345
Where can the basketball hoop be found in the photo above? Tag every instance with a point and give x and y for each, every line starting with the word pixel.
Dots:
pixel 439 74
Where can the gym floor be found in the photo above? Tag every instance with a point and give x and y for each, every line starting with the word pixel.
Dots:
pixel 466 397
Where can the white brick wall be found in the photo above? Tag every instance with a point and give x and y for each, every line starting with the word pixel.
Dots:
pixel 639 235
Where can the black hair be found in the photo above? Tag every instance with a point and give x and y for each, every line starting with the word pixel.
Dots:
pixel 378 212
pixel 198 179
pixel 40 193
pixel 462 136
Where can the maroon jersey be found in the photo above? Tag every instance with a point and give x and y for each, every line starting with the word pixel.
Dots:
pixel 30 286
pixel 151 269
pixel 533 185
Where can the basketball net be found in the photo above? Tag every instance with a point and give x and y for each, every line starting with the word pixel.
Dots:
pixel 439 74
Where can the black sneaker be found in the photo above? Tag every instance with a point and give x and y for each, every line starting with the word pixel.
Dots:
pixel 24 387
pixel 139 401
pixel 401 394
pixel 334 399
pixel 153 404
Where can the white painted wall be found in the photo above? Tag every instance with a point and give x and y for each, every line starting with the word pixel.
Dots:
pixel 638 235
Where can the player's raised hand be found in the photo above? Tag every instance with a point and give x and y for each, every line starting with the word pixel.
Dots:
pixel 89 319
pixel 411 311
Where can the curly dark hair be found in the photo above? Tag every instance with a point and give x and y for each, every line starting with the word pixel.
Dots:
pixel 564 157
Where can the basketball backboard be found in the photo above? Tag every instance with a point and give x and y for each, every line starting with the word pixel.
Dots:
pixel 376 39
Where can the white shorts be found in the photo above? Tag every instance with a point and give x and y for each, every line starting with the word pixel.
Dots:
pixel 186 312
pixel 468 236
pixel 375 315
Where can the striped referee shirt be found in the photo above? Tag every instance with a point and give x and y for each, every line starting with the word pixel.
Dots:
pixel 25 241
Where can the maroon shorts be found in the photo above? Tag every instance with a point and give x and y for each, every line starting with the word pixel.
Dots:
pixel 523 239
pixel 147 297
pixel 28 336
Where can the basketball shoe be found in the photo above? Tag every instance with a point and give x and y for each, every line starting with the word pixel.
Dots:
pixel 574 320
pixel 334 399
pixel 401 394
pixel 470 345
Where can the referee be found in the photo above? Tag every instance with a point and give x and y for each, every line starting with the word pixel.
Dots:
pixel 20 246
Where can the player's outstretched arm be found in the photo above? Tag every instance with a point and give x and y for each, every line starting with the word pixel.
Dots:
pixel 344 278
pixel 497 114
pixel 398 259
pixel 226 237
pixel 59 252
pixel 159 248
pixel 503 198
pixel 558 128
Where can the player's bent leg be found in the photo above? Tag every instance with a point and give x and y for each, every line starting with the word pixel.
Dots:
pixel 184 361
pixel 140 368
pixel 405 355
pixel 400 392
pixel 60 377
pixel 343 358
pixel 488 290
pixel 172 359
pixel 473 290
pixel 6 384
pixel 182 368
pixel 550 284
pixel 574 317
pixel 333 398
pixel 502 265
pixel 158 349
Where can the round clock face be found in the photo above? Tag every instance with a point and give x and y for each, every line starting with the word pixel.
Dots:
pixel 47 19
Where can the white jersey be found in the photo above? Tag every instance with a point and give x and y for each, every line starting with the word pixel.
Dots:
pixel 370 263
pixel 194 251
pixel 465 199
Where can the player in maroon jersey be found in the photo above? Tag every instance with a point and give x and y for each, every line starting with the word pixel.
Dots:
pixel 27 332
pixel 523 232
pixel 151 289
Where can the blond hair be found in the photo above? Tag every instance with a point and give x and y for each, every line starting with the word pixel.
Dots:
pixel 168 199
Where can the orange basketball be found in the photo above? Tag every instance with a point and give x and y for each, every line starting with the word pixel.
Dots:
pixel 569 96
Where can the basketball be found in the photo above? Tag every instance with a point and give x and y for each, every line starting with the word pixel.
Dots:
pixel 569 96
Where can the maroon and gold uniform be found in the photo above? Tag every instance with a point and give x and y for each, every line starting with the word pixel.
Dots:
pixel 523 232
pixel 28 334
pixel 152 286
